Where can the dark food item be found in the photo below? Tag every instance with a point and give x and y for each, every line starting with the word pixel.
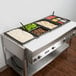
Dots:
pixel 39 31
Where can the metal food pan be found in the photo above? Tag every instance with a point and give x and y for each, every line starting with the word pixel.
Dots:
pixel 67 20
pixel 47 21
pixel 16 39
pixel 44 28
pixel 39 26
pixel 27 25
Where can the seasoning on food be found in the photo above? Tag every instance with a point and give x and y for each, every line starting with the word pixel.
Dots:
pixel 47 24
pixel 20 35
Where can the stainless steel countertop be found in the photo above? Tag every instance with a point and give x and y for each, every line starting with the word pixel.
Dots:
pixel 49 37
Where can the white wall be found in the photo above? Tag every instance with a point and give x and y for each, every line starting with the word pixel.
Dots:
pixel 14 11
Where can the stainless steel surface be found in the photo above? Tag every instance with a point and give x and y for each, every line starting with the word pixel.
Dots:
pixel 33 68
pixel 39 52
pixel 49 37
pixel 14 48
pixel 35 57
pixel 20 66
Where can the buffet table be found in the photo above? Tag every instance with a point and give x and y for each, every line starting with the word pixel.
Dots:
pixel 31 47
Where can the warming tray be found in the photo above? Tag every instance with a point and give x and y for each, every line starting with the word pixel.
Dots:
pixel 47 24
pixel 20 36
pixel 57 20
pixel 50 36
pixel 35 29
pixel 36 51
pixel 30 31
